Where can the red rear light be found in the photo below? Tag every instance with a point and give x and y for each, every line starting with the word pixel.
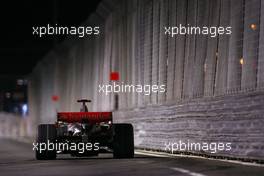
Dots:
pixel 84 117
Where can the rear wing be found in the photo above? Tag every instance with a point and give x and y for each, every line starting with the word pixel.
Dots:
pixel 84 117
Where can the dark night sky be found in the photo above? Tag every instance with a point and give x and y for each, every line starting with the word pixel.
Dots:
pixel 19 49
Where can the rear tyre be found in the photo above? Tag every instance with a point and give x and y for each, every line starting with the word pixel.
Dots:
pixel 46 137
pixel 123 144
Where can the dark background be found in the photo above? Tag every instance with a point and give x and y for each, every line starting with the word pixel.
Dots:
pixel 19 49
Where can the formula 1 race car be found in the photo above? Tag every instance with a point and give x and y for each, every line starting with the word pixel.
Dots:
pixel 84 134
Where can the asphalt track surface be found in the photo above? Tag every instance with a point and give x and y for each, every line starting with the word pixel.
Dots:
pixel 17 158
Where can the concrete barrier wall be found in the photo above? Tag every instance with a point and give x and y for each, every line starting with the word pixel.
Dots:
pixel 214 85
pixel 236 119
pixel 15 127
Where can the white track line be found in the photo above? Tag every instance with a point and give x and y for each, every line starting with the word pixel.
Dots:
pixel 163 154
pixel 186 171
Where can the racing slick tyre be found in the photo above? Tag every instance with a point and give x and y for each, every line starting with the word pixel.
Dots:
pixel 46 136
pixel 123 144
